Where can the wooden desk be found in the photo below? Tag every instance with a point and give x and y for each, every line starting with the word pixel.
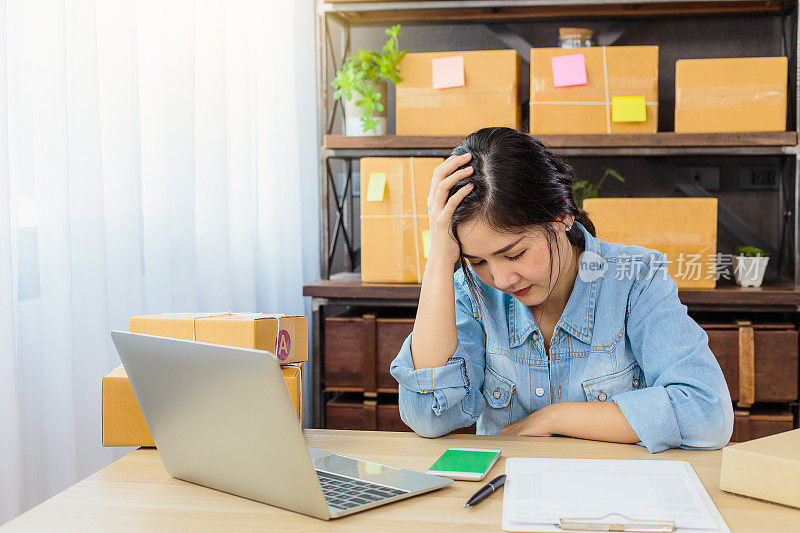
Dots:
pixel 136 493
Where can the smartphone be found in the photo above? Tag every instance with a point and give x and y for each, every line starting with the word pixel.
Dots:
pixel 466 464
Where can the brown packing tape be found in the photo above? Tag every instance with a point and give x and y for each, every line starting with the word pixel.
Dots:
pixel 592 118
pixel 174 325
pixel 257 331
pixel 418 97
pixel 283 339
pixel 415 221
pixel 598 104
pixel 284 335
pixel 728 96
pixel 669 238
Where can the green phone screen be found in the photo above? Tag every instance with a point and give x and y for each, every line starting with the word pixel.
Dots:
pixel 464 461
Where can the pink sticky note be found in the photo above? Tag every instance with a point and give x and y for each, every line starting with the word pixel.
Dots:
pixel 448 72
pixel 569 70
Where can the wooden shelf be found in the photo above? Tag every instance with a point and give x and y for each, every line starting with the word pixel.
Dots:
pixel 349 286
pixel 370 12
pixel 621 144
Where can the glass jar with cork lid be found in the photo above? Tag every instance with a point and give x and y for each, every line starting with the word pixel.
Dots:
pixel 575 37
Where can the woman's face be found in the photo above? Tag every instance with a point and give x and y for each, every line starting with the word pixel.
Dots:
pixel 517 263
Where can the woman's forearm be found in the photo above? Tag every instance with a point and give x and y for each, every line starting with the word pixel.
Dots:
pixel 435 338
pixel 590 420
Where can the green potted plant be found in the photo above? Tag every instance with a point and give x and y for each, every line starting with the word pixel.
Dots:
pixel 362 83
pixel 586 189
pixel 749 265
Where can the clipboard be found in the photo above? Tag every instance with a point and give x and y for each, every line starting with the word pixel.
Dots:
pixel 631 525
pixel 634 496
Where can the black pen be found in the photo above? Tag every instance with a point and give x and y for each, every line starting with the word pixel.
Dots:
pixel 484 491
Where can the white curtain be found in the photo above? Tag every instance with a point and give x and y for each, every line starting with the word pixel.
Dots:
pixel 155 156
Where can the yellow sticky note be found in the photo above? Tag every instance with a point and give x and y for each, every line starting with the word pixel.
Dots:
pixel 628 109
pixel 426 242
pixel 377 186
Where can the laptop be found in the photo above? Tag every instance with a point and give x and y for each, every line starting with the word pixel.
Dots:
pixel 222 417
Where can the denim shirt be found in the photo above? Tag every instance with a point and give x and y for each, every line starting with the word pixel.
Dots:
pixel 624 336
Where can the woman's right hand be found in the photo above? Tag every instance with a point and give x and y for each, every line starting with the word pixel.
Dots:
pixel 440 209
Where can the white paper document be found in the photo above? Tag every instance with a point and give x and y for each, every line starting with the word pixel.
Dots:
pixel 538 492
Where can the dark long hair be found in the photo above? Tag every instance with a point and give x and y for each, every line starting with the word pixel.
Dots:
pixel 519 184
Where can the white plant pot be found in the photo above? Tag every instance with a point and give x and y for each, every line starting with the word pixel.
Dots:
pixel 353 114
pixel 749 271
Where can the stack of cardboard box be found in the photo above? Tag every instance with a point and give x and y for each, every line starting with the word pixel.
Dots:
pixel 284 336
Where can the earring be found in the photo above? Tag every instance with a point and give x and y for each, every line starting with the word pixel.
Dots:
pixel 569 228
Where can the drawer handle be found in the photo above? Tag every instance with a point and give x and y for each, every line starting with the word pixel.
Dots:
pixel 747 371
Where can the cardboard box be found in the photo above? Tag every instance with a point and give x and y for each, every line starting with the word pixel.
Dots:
pixel 124 423
pixel 394 225
pixel 611 71
pixel 766 468
pixel 489 96
pixel 684 229
pixel 731 94
pixel 285 336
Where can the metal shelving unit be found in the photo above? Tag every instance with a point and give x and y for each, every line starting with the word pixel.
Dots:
pixel 341 16
pixel 336 17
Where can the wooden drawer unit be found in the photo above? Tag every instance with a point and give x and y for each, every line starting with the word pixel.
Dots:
pixel 359 350
pixel 757 423
pixel 348 412
pixel 759 361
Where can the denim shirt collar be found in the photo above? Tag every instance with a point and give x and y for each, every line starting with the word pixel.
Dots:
pixel 578 316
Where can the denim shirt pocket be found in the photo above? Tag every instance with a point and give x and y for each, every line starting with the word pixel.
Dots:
pixel 498 391
pixel 603 388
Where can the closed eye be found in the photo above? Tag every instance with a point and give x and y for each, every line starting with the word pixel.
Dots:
pixel 514 258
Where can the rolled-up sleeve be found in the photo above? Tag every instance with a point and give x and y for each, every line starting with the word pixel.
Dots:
pixel 686 402
pixel 436 401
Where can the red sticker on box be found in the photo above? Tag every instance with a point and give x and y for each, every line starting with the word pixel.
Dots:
pixel 283 345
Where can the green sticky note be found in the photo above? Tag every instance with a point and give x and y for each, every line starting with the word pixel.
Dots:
pixel 376 187
pixel 628 109
pixel 426 242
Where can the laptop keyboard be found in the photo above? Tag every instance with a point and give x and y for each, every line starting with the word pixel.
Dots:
pixel 345 493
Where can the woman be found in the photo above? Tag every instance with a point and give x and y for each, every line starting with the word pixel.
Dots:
pixel 547 330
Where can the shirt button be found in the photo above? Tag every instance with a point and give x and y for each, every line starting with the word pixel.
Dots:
pixel 535 335
pixel 635 383
pixel 602 396
pixel 539 391
pixel 497 393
